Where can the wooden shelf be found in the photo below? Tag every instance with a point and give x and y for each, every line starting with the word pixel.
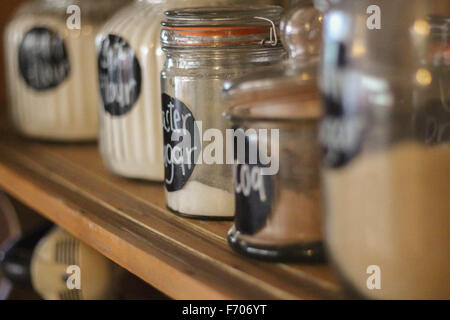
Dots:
pixel 127 221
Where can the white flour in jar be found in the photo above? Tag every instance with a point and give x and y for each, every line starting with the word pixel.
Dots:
pixel 66 112
pixel 391 209
pixel 215 202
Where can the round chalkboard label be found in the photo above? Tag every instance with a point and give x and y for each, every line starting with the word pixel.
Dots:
pixel 254 198
pixel 254 192
pixel 182 145
pixel 119 75
pixel 43 59
pixel 341 135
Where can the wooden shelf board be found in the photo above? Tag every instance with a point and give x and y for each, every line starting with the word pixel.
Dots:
pixel 127 221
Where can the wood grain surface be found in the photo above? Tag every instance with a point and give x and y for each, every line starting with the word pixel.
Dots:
pixel 127 221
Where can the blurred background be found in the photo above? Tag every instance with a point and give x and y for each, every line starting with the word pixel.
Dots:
pixel 414 230
pixel 7 9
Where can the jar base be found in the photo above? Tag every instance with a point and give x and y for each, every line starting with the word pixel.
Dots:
pixel 134 171
pixel 348 291
pixel 57 137
pixel 200 217
pixel 306 253
pixel 196 199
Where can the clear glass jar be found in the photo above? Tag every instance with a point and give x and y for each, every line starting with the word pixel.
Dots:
pixel 278 214
pixel 204 48
pixel 386 139
pixel 278 217
pixel 130 108
pixel 51 79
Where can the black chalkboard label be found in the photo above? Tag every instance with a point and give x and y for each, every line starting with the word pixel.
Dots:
pixel 254 192
pixel 431 122
pixel 254 198
pixel 43 59
pixel 182 145
pixel 119 75
pixel 341 134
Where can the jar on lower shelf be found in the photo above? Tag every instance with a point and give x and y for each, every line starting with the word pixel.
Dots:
pixel 50 67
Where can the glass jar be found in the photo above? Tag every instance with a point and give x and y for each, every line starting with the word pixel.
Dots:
pixel 130 108
pixel 50 62
pixel 276 112
pixel 204 48
pixel 386 139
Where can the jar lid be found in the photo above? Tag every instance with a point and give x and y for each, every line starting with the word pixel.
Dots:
pixel 439 25
pixel 301 30
pixel 286 92
pixel 227 26
pixel 439 33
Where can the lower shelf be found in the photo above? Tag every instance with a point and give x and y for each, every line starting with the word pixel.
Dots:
pixel 128 222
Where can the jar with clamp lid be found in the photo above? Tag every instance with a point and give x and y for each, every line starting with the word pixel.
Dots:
pixel 205 47
pixel 275 115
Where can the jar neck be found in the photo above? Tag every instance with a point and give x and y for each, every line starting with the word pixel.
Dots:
pixel 151 1
pixel 196 58
pixel 93 12
pixel 56 3
pixel 65 3
pixel 84 4
pixel 161 1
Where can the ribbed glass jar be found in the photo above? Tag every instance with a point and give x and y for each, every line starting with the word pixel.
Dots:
pixel 50 61
pixel 130 108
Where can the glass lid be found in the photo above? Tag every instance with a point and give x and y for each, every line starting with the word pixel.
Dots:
pixel 286 92
pixel 289 90
pixel 224 26
pixel 222 16
pixel 282 79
